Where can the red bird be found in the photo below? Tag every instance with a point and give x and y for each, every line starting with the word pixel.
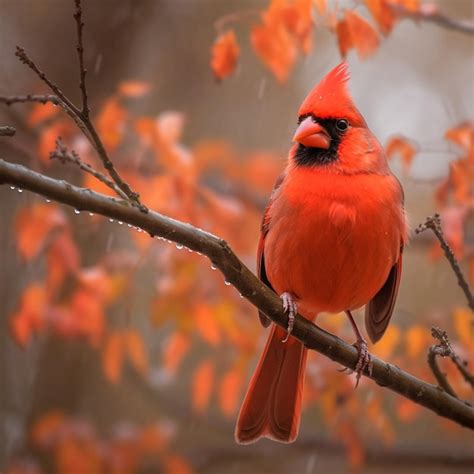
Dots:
pixel 332 240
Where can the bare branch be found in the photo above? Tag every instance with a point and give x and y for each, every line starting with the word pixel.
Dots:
pixel 6 131
pixel 41 98
pixel 25 59
pixel 80 54
pixel 434 223
pixel 64 156
pixel 236 273
pixel 444 349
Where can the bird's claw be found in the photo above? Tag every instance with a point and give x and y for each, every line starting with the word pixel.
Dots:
pixel 290 307
pixel 364 361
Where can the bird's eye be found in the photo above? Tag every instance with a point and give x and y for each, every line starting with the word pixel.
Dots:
pixel 342 125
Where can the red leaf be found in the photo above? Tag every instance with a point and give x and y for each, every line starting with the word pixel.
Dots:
pixel 136 351
pixel 343 37
pixel 363 35
pixel 30 316
pixel 46 428
pixel 229 391
pixel 134 89
pixel 202 385
pixel 224 55
pixel 274 45
pixel 41 112
pixel 33 224
pixel 383 14
pixel 112 356
pixel 174 351
pixel 206 325
pixel 463 136
pixel 111 123
pixel 403 147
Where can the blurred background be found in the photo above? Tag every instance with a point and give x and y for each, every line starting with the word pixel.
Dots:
pixel 120 353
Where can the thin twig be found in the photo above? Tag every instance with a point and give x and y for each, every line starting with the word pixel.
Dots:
pixel 434 223
pixel 6 131
pixel 80 54
pixel 64 156
pixel 433 352
pixel 80 117
pixel 444 349
pixel 25 59
pixel 41 98
pixel 86 126
pixel 236 273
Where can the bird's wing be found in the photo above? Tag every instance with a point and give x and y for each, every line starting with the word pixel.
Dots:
pixel 380 308
pixel 261 272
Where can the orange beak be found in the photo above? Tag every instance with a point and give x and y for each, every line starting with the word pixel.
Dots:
pixel 312 135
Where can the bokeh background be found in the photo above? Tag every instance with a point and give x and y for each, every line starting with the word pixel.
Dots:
pixel 418 84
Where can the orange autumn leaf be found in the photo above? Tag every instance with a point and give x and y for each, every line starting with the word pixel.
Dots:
pixel 383 14
pixel 386 346
pixel 174 351
pixel 364 38
pixel 177 465
pixel 344 38
pixel 112 356
pixel 206 325
pixel 30 315
pixel 275 46
pixel 73 456
pixel 353 444
pixel 417 340
pixel 136 351
pixel 298 19
pixel 62 259
pixel 464 325
pixel 229 391
pixel 401 146
pixel 111 123
pixel 134 89
pixel 46 428
pixel 88 316
pixel 202 385
pixel 463 136
pixel 410 5
pixel 33 224
pixel 461 177
pixel 224 55
pixel 407 410
pixel 40 113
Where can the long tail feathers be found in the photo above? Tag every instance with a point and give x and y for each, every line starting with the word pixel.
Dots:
pixel 272 405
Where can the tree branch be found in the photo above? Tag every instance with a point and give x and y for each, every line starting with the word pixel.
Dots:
pixel 430 13
pixel 236 273
pixel 41 98
pixel 6 131
pixel 444 349
pixel 434 223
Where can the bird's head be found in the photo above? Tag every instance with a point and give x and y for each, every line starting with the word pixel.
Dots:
pixel 326 118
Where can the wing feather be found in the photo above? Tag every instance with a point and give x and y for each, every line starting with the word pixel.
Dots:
pixel 261 272
pixel 380 308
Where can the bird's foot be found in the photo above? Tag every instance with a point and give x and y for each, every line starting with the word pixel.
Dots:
pixel 363 362
pixel 290 307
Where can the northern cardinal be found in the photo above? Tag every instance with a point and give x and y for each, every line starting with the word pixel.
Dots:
pixel 331 240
